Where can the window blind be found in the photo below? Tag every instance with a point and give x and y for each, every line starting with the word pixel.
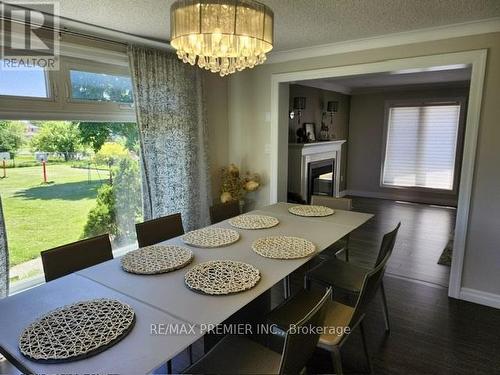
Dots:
pixel 421 146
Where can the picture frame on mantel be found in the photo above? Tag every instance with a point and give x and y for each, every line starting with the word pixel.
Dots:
pixel 310 131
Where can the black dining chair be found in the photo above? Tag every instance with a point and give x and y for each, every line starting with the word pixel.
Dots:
pixel 348 278
pixel 158 230
pixel 340 319
pixel 237 354
pixel 63 260
pixel 222 211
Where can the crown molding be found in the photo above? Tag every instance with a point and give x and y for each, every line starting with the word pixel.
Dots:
pixel 457 30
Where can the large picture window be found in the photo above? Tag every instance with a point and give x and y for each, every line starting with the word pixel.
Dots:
pixel 65 181
pixel 421 146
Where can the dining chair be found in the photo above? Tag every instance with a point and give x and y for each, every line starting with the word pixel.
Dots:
pixel 348 278
pixel 332 202
pixel 338 204
pixel 340 319
pixel 63 260
pixel 222 211
pixel 237 354
pixel 158 230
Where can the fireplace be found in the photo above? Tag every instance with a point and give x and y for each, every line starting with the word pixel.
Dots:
pixel 320 178
pixel 314 168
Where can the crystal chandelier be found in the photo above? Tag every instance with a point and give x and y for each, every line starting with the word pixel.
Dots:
pixel 223 36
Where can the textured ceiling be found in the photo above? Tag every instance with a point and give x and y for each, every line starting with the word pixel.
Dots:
pixel 298 23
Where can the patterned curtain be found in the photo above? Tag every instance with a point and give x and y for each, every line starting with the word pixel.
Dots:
pixel 4 257
pixel 170 114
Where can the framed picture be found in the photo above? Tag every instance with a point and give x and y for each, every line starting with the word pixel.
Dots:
pixel 310 131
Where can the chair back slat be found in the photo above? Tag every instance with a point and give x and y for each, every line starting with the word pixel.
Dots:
pixel 332 202
pixel 223 211
pixel 158 230
pixel 302 337
pixel 66 259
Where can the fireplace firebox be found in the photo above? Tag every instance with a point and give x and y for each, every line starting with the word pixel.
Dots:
pixel 320 178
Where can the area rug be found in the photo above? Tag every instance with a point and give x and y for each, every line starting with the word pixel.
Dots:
pixel 445 258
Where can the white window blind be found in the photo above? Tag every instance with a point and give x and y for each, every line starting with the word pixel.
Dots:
pixel 421 146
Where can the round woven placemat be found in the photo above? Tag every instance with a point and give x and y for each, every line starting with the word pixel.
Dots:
pixel 156 259
pixel 77 331
pixel 218 277
pixel 211 237
pixel 283 247
pixel 306 210
pixel 253 222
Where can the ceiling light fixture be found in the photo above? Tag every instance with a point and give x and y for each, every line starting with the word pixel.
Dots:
pixel 223 36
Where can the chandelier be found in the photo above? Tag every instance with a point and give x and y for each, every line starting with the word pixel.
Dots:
pixel 223 36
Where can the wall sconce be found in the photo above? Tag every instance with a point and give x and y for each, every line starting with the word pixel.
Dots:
pixel 299 104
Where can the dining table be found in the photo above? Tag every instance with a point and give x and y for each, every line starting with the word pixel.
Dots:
pixel 164 298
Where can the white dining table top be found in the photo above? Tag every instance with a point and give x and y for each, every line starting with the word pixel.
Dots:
pixel 165 296
pixel 139 352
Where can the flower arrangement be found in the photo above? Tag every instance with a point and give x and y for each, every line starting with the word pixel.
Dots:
pixel 235 187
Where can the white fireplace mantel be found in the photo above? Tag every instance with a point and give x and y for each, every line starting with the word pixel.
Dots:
pixel 299 157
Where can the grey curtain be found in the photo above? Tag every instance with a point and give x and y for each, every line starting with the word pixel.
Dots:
pixel 4 257
pixel 170 113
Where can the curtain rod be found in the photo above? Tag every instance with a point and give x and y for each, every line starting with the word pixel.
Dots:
pixel 90 31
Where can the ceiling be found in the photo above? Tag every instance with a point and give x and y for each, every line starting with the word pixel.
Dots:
pixel 298 23
pixel 382 81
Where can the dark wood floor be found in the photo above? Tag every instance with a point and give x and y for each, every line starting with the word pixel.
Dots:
pixel 431 333
pixel 425 231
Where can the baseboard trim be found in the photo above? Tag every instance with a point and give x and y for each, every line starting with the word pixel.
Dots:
pixel 395 197
pixel 480 297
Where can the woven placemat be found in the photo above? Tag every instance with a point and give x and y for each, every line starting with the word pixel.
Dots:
pixel 77 331
pixel 253 222
pixel 283 247
pixel 156 259
pixel 311 211
pixel 211 237
pixel 218 277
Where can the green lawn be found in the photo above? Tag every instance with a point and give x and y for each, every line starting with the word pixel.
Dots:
pixel 39 216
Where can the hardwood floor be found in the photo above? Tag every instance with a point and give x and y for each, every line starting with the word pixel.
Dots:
pixel 431 333
pixel 425 231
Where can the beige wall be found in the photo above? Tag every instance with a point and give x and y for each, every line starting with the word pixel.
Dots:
pixel 215 94
pixel 366 141
pixel 316 104
pixel 249 132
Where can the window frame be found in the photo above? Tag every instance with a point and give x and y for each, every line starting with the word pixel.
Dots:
pixel 60 105
pixel 460 101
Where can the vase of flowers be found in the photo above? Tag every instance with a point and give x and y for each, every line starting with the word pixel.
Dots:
pixel 235 187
